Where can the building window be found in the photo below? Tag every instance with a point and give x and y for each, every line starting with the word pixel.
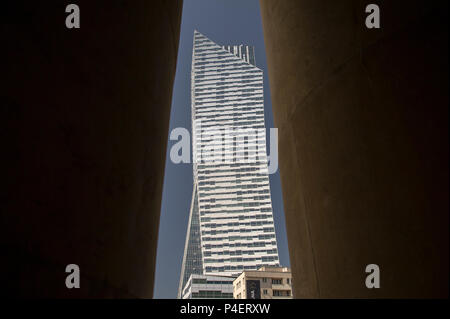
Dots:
pixel 264 279
pixel 199 281
pixel 277 293
pixel 265 291
pixel 288 280
pixel 276 281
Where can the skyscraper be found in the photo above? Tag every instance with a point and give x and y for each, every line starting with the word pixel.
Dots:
pixel 231 227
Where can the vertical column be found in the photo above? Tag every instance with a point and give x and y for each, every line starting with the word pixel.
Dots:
pixel 84 120
pixel 363 140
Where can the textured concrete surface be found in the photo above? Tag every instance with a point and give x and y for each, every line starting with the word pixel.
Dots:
pixel 84 121
pixel 363 132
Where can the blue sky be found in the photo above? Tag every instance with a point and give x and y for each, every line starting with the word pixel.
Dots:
pixel 226 22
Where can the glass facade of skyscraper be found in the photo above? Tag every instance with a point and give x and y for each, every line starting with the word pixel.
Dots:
pixel 231 202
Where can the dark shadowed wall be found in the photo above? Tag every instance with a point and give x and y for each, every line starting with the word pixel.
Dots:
pixel 84 117
pixel 363 131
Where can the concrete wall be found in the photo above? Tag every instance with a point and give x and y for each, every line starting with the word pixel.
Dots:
pixel 84 121
pixel 363 140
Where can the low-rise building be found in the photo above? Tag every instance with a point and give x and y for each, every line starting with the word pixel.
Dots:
pixel 208 287
pixel 264 283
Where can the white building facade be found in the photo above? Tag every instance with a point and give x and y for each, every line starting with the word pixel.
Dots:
pixel 208 287
pixel 233 207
